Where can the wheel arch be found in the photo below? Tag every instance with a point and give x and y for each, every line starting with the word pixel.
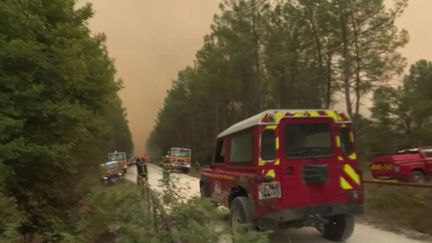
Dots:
pixel 237 191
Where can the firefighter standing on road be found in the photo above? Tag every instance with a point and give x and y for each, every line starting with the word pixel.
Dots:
pixel 141 165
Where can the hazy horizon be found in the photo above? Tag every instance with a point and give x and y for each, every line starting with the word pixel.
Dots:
pixel 151 40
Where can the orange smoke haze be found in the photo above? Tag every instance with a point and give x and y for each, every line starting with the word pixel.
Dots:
pixel 151 40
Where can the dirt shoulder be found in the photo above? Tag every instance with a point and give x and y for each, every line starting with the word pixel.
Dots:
pixel 401 210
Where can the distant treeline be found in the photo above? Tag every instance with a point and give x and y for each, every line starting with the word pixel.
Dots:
pixel 280 54
pixel 59 115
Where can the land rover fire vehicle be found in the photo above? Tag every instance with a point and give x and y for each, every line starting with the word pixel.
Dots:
pixel 288 168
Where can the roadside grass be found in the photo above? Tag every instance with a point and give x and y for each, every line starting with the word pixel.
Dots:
pixel 399 208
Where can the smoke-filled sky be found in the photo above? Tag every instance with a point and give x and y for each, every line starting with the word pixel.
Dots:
pixel 151 40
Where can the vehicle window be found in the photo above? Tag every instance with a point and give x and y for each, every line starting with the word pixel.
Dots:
pixel 428 153
pixel 307 139
pixel 178 152
pixel 268 144
pixel 241 148
pixel 220 152
pixel 347 146
pixel 116 156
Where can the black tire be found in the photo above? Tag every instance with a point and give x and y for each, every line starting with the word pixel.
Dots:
pixel 339 228
pixel 417 177
pixel 241 215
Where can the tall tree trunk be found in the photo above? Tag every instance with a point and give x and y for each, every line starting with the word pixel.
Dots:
pixel 346 73
pixel 357 70
pixel 329 79
pixel 321 71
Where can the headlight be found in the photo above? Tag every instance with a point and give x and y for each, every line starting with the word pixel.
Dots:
pixel 269 190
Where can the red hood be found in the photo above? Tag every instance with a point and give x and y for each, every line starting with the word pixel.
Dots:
pixel 395 158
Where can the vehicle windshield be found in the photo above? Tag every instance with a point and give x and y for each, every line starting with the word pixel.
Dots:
pixel 110 165
pixel 116 156
pixel 303 140
pixel 178 152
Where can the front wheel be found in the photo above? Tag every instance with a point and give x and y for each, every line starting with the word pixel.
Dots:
pixel 417 177
pixel 339 228
pixel 241 215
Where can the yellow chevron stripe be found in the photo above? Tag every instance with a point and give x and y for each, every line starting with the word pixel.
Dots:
pixel 298 114
pixel 338 142
pixel 344 184
pixel 314 113
pixel 271 173
pixel 277 162
pixel 278 116
pixel 340 158
pixel 351 173
pixel 277 143
pixel 353 156
pixel 271 127
pixel 261 162
pixel 333 115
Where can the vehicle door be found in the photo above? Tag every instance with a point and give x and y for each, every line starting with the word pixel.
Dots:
pixel 427 153
pixel 240 167
pixel 218 165
pixel 310 174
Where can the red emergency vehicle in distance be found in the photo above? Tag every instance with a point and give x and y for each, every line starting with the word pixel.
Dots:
pixel 411 165
pixel 288 168
pixel 178 159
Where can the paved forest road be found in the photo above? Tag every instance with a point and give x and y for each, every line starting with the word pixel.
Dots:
pixel 362 234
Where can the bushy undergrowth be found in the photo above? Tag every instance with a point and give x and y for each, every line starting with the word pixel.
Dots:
pixel 407 208
pixel 120 213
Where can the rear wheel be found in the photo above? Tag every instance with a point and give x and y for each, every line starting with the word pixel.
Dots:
pixel 417 177
pixel 241 215
pixel 339 228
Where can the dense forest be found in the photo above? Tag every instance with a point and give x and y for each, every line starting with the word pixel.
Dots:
pixel 59 115
pixel 293 54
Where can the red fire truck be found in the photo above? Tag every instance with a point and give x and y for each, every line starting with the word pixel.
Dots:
pixel 411 165
pixel 288 168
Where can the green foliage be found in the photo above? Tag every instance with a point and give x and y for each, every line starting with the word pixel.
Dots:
pixel 117 212
pixel 278 54
pixel 10 217
pixel 198 219
pixel 58 105
pixel 403 113
pixel 121 213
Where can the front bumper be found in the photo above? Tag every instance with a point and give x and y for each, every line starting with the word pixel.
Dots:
pixel 112 176
pixel 181 165
pixel 305 216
